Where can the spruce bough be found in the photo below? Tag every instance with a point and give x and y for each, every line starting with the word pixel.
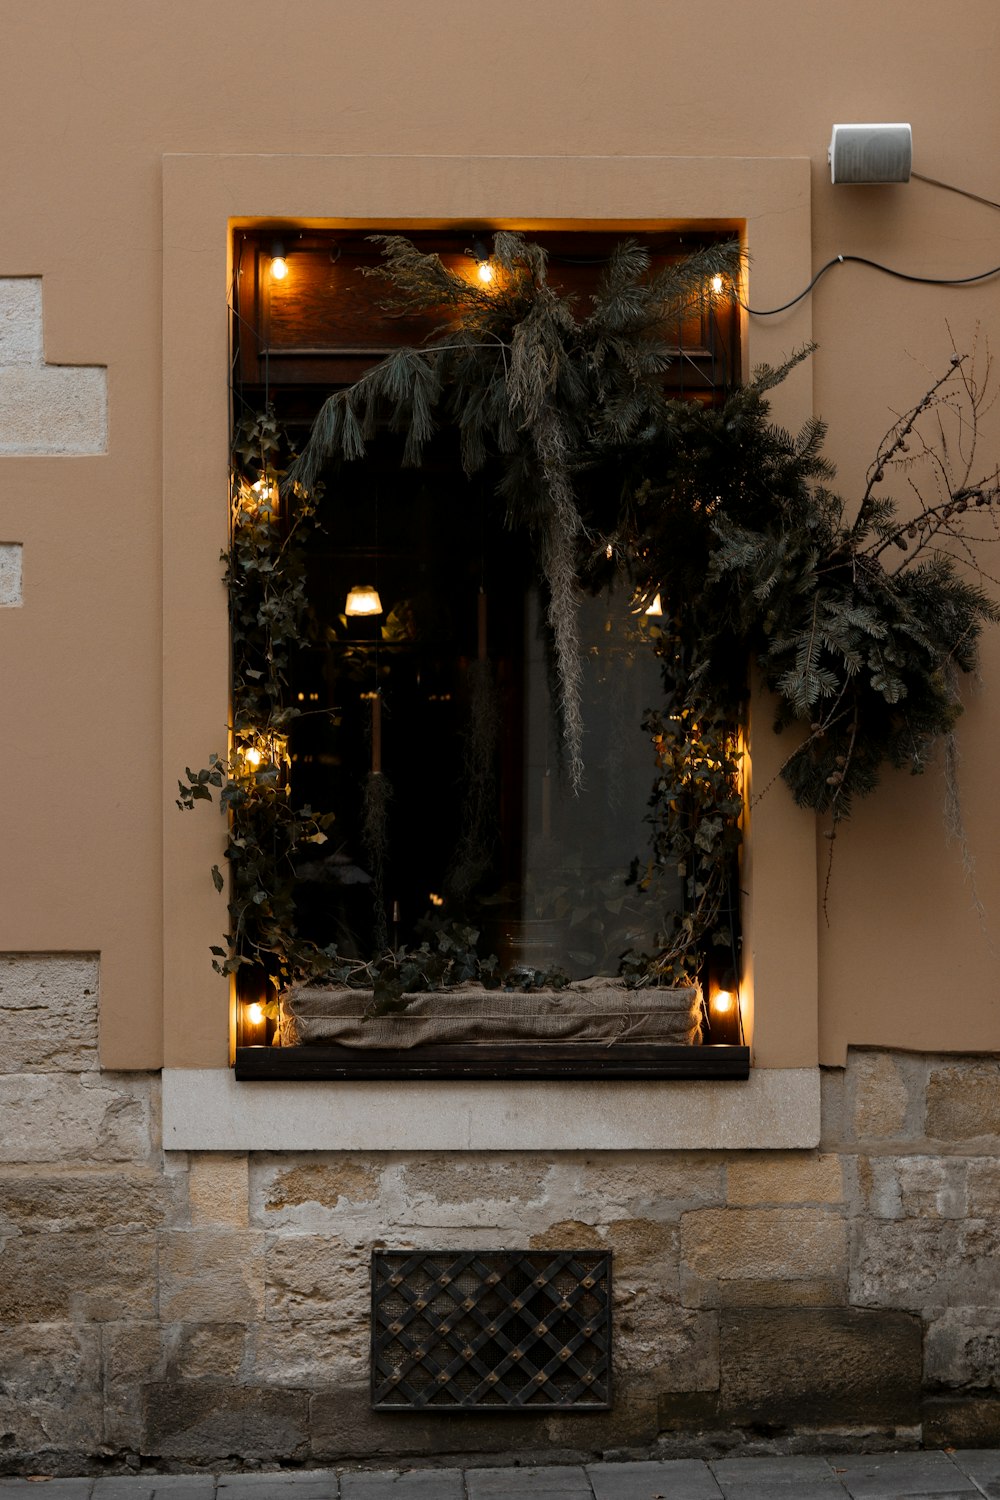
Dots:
pixel 860 618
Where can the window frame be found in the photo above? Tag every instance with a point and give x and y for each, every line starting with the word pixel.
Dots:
pixel 319 330
pixel 205 198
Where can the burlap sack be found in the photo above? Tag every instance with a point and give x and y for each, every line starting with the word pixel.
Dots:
pixel 591 1010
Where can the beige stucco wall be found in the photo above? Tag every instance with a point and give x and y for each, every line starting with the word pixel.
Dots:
pixel 113 661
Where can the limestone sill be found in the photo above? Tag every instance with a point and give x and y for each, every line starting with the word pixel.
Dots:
pixel 206 1109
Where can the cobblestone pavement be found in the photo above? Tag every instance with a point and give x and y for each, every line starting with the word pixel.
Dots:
pixel 952 1475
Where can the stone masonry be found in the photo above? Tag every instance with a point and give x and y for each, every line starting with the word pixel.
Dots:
pixel 44 409
pixel 212 1310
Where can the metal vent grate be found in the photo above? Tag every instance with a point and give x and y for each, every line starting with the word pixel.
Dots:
pixel 522 1329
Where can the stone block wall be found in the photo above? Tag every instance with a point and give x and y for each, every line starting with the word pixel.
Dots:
pixel 44 409
pixel 188 1310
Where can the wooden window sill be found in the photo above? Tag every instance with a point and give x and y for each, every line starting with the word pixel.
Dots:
pixel 580 1060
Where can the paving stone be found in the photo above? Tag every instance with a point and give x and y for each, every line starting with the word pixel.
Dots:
pixel 151 1486
pixel 47 1489
pixel 788 1478
pixel 906 1474
pixel 680 1479
pixel 130 1487
pixel 193 1489
pixel 316 1485
pixel 982 1466
pixel 395 1484
pixel 174 1484
pixel 563 1483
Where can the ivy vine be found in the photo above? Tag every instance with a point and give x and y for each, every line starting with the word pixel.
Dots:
pixel 861 617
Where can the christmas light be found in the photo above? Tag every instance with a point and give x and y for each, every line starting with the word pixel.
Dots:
pixel 479 253
pixel 279 265
pixel 363 599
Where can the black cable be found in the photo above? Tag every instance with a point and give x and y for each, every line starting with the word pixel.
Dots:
pixel 951 188
pixel 862 260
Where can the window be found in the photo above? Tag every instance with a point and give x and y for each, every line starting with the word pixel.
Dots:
pixel 766 204
pixel 427 664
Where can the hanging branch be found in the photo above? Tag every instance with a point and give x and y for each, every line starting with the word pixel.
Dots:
pixel 861 626
pixel 533 390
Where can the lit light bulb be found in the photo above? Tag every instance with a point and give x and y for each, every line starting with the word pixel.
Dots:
pixel 279 265
pixel 255 1013
pixel 485 272
pixel 722 1002
pixel 363 600
pixel 716 284
pixel 252 756
pixel 265 497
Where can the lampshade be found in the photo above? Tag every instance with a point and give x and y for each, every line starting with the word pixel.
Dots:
pixel 363 600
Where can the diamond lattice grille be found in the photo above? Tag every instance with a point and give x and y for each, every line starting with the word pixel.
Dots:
pixel 513 1328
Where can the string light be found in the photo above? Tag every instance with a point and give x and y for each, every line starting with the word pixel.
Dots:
pixel 716 285
pixel 252 1024
pixel 363 599
pixel 263 750
pixel 279 265
pixel 484 268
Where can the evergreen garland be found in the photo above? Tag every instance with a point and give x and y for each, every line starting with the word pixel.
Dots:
pixel 860 622
pixel 530 386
